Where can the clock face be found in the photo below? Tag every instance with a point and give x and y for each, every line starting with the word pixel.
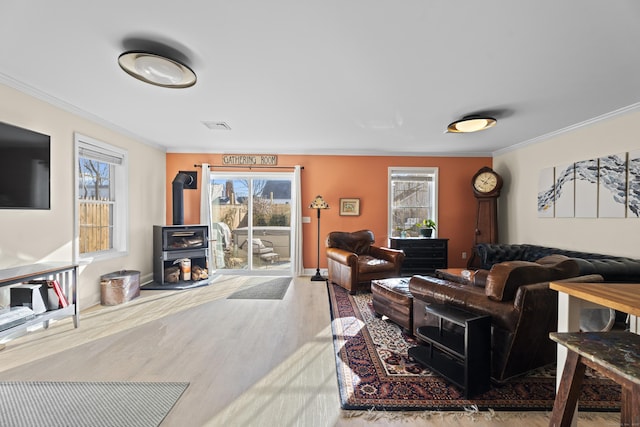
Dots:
pixel 486 182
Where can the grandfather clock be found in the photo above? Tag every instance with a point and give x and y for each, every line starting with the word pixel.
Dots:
pixel 486 184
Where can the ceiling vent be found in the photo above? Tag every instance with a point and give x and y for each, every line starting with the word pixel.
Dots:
pixel 217 125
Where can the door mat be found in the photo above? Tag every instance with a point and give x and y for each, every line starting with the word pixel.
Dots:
pixel 263 288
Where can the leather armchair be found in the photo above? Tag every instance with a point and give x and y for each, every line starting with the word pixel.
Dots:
pixel 353 261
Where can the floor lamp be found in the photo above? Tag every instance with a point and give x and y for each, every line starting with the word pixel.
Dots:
pixel 318 204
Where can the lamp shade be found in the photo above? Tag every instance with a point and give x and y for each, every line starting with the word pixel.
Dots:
pixel 471 124
pixel 319 203
pixel 156 69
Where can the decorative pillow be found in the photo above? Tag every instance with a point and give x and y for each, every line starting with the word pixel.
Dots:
pixel 505 278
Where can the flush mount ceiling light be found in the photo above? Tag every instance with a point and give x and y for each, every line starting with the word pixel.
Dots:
pixel 156 69
pixel 471 124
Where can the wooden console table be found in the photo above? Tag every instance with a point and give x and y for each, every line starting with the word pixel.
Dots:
pixel 623 297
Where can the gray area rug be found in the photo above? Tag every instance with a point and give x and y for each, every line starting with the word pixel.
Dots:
pixel 263 288
pixel 82 404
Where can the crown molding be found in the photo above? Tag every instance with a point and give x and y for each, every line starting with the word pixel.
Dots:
pixel 70 108
pixel 545 137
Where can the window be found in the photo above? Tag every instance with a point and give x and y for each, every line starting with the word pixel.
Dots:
pixel 412 198
pixel 101 198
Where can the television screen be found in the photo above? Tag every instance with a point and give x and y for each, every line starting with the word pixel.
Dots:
pixel 24 168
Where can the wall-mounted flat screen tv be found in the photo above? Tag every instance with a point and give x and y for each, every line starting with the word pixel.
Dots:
pixel 25 158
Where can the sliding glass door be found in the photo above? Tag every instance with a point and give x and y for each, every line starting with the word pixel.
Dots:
pixel 251 220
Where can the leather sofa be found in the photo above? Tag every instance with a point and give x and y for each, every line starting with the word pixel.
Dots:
pixel 612 268
pixel 353 260
pixel 522 307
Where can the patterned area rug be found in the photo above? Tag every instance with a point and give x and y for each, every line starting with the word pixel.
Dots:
pixel 375 373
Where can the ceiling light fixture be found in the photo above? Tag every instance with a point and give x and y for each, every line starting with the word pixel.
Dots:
pixel 156 69
pixel 471 124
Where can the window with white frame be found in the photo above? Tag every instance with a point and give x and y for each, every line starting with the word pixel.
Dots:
pixel 101 198
pixel 412 199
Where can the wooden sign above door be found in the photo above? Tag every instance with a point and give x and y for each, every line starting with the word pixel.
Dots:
pixel 250 159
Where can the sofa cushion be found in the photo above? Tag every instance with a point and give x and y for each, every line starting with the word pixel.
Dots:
pixel 368 264
pixel 552 259
pixel 505 278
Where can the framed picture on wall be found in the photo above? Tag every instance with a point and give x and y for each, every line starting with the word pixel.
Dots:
pixel 350 207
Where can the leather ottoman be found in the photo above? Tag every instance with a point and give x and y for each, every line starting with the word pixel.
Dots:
pixel 391 298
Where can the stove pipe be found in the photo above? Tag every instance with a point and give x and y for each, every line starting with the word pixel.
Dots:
pixel 178 200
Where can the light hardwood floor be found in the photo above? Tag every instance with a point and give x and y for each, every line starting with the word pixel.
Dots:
pixel 248 362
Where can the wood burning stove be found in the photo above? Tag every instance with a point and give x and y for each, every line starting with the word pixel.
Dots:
pixel 178 248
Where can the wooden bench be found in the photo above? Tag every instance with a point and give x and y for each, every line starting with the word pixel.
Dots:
pixel 613 354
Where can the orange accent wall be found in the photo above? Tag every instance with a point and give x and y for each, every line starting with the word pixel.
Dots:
pixel 363 177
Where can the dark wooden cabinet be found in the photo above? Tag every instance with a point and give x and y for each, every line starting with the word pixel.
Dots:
pixel 423 255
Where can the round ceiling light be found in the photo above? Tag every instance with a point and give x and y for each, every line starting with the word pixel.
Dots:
pixel 471 124
pixel 157 70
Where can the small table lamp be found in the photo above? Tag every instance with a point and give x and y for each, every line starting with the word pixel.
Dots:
pixel 318 204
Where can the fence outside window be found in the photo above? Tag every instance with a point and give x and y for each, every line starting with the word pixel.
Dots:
pixel 96 229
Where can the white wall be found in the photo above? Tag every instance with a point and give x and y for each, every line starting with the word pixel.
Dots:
pixel 29 236
pixel 518 217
